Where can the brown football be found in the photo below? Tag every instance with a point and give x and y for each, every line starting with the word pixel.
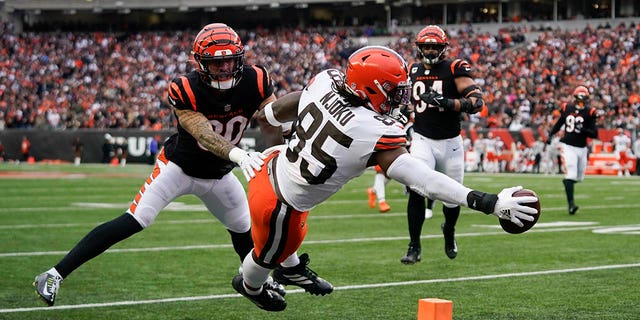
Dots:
pixel 511 227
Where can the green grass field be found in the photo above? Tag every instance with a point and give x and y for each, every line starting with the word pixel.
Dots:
pixel 585 266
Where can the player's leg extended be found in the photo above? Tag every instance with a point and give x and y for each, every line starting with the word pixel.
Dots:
pixel 570 155
pixel 420 149
pixel 226 199
pixel 264 206
pixel 158 190
pixel 379 186
pixel 452 163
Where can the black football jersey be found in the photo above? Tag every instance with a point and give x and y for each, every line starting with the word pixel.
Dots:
pixel 228 111
pixel 432 121
pixel 579 124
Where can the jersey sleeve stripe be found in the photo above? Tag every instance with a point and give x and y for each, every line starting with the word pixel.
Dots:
pixel 390 143
pixel 454 64
pixel 187 88
pixel 174 92
pixel 260 75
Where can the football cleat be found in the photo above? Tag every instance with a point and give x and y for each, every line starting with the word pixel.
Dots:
pixel 267 299
pixel 303 277
pixel 275 286
pixel 450 244
pixel 412 256
pixel 573 210
pixel 383 206
pixel 372 198
pixel 47 287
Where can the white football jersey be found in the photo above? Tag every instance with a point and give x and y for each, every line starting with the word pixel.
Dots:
pixel 621 143
pixel 332 143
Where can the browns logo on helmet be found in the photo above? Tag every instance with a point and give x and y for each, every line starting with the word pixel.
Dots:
pixel 219 56
pixel 379 76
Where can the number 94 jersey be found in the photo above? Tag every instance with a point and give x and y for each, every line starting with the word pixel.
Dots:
pixel 332 143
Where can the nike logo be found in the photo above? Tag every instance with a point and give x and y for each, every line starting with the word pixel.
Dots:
pixel 473 205
pixel 455 149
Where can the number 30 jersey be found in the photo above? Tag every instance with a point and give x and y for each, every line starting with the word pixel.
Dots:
pixel 332 143
pixel 228 111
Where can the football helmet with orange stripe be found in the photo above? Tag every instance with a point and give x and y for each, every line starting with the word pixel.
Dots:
pixel 581 94
pixel 219 56
pixel 432 43
pixel 380 77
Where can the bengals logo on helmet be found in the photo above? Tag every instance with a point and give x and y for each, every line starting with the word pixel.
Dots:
pixel 581 94
pixel 432 43
pixel 219 56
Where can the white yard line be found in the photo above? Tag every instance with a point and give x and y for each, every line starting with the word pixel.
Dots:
pixel 349 287
pixel 312 242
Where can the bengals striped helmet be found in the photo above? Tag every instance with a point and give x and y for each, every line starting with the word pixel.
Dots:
pixel 219 56
pixel 432 43
pixel 581 94
pixel 378 76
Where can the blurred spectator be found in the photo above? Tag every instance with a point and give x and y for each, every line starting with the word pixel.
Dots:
pixel 77 146
pixel 25 148
pixel 636 152
pixel 122 150
pixel 108 149
pixel 154 146
pixel 3 157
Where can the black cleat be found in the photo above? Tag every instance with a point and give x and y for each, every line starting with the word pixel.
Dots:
pixel 450 244
pixel 275 286
pixel 573 210
pixel 412 256
pixel 47 287
pixel 302 277
pixel 266 300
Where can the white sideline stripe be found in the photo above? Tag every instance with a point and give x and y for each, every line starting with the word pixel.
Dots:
pixel 199 207
pixel 311 217
pixel 351 287
pixel 306 242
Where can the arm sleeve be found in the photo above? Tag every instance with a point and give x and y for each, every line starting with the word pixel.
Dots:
pixel 427 182
pixel 556 126
pixel 592 130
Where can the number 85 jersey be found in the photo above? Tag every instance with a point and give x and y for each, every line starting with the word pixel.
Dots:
pixel 332 143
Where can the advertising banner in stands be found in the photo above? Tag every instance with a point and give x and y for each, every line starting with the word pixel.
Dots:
pixel 58 145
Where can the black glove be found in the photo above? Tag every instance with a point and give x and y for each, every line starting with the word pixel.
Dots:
pixel 434 98
pixel 578 127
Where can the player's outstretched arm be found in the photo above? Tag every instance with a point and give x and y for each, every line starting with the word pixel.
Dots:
pixel 402 167
pixel 282 112
pixel 272 135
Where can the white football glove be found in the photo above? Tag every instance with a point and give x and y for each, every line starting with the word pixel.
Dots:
pixel 510 208
pixel 249 162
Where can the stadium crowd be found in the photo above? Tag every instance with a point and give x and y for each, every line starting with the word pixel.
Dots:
pixel 64 80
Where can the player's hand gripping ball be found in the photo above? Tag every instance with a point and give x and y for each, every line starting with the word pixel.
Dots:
pixel 511 227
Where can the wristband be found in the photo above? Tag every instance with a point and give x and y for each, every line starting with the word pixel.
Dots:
pixel 236 154
pixel 481 201
pixel 268 113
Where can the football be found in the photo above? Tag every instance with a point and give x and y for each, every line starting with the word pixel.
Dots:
pixel 511 227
